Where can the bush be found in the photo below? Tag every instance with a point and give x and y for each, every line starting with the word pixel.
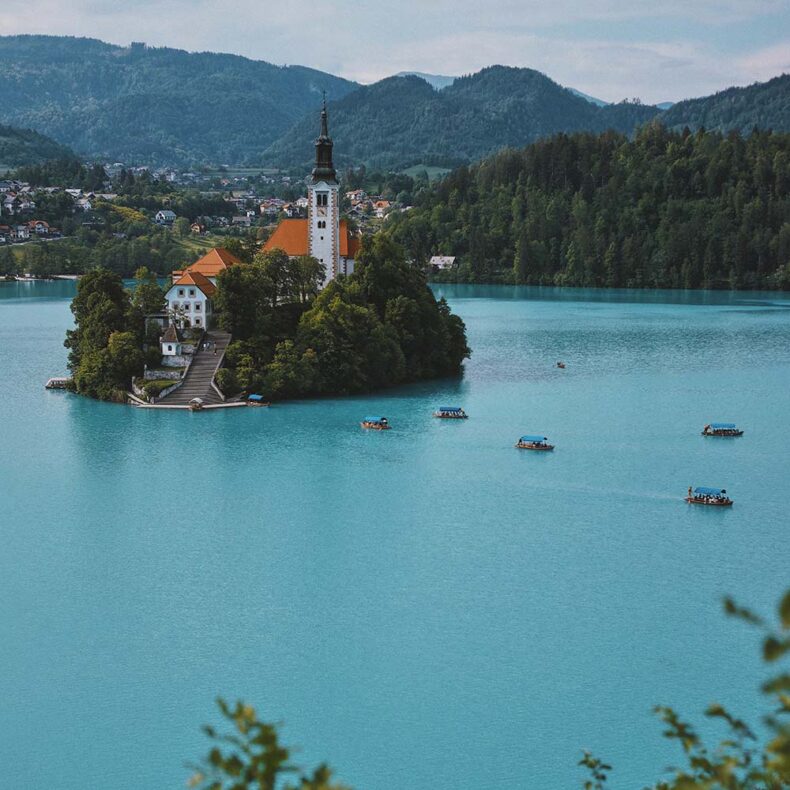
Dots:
pixel 226 380
pixel 153 389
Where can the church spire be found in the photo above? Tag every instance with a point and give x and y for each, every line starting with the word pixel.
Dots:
pixel 324 170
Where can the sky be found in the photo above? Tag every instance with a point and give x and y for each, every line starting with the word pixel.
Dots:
pixel 656 50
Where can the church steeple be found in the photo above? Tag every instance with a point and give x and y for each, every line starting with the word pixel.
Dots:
pixel 324 170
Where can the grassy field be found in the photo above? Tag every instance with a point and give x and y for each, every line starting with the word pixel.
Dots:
pixel 434 173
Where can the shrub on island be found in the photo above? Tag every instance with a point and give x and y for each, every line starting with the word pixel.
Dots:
pixel 376 328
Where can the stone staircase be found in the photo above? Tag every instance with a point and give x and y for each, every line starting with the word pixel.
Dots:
pixel 197 383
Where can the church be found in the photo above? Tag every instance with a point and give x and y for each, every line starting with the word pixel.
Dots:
pixel 323 234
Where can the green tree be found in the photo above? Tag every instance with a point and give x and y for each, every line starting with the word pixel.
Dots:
pixel 252 758
pixel 148 296
pixel 742 761
pixel 182 227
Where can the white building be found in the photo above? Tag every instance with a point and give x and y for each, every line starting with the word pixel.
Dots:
pixel 165 217
pixel 171 342
pixel 189 300
pixel 443 261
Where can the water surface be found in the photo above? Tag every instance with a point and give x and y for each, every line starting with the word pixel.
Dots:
pixel 426 607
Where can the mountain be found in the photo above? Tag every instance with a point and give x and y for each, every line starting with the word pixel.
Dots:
pixel 402 121
pixel 592 99
pixel 26 147
pixel 763 104
pixel 156 105
pixel 437 81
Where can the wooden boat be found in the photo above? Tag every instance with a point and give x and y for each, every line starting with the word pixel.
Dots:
pixel 721 429
pixel 450 413
pixel 713 497
pixel 376 423
pixel 534 443
pixel 257 400
pixel 196 404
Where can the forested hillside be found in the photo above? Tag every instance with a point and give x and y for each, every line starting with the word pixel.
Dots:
pixel 664 210
pixel 156 105
pixel 402 121
pixel 24 146
pixel 765 105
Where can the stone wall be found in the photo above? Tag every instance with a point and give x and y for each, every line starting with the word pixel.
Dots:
pixel 164 373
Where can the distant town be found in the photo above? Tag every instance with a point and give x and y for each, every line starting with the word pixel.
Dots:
pixel 256 200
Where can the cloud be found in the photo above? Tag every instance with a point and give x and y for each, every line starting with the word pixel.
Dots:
pixel 768 62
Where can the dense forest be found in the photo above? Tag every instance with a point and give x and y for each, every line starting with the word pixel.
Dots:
pixel 664 210
pixel 379 327
pixel 24 146
pixel 154 105
pixel 764 105
pixel 402 121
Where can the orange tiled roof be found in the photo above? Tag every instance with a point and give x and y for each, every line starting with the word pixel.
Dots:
pixel 290 236
pixel 212 263
pixel 196 278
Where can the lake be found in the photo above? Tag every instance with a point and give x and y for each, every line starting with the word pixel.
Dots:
pixel 422 608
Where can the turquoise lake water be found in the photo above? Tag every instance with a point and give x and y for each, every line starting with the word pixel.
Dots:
pixel 423 608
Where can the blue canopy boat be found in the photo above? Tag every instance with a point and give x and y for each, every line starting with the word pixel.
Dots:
pixel 705 495
pixel 450 413
pixel 534 443
pixel 375 423
pixel 721 429
pixel 257 400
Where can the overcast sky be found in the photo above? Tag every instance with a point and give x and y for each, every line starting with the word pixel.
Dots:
pixel 657 50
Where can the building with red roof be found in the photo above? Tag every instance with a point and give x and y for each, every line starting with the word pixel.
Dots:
pixel 323 234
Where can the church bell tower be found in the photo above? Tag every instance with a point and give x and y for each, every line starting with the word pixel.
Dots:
pixel 323 210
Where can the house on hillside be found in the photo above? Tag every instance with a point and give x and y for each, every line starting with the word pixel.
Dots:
pixel 381 207
pixel 165 217
pixel 440 262
pixel 39 227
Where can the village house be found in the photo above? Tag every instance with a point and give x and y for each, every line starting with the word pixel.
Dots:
pixel 165 217
pixel 440 262
pixel 39 227
pixel 381 207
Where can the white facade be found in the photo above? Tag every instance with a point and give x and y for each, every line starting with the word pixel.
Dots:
pixel 323 220
pixel 190 305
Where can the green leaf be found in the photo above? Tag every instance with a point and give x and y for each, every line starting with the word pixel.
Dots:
pixel 773 648
pixel 784 610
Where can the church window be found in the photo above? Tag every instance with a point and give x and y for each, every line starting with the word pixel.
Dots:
pixel 197 305
pixel 191 291
pixel 170 348
pixel 180 291
pixel 322 199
